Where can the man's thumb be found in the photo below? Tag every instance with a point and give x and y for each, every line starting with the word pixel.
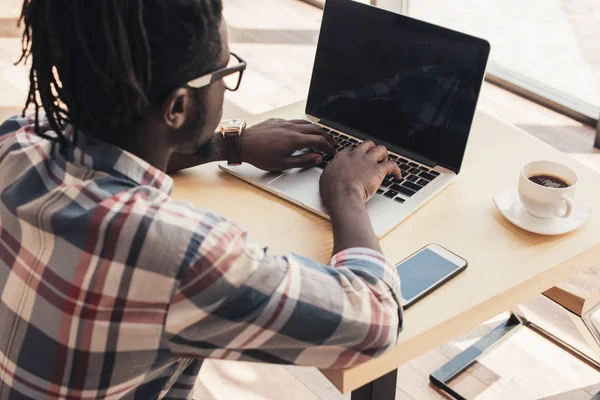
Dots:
pixel 303 160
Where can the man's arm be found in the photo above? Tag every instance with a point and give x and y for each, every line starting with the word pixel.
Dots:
pixel 236 301
pixel 212 151
pixel 346 185
pixel 268 145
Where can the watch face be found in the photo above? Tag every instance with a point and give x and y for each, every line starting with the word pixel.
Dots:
pixel 233 124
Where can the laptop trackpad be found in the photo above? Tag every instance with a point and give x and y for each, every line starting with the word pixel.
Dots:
pixel 302 185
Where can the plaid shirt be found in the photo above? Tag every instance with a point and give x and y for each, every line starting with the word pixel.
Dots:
pixel 110 289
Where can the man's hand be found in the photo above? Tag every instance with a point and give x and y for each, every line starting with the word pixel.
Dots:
pixel 357 174
pixel 270 144
pixel 346 184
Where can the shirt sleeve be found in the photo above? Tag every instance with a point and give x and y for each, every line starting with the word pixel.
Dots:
pixel 233 300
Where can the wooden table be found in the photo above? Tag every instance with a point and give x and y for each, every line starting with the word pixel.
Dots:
pixel 506 264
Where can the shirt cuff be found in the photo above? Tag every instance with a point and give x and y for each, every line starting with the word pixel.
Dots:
pixel 370 261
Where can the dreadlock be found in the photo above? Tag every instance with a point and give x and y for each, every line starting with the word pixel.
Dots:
pixel 103 64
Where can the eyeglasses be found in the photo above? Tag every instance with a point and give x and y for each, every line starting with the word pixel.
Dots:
pixel 231 75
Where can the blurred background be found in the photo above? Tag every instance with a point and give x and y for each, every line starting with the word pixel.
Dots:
pixel 544 77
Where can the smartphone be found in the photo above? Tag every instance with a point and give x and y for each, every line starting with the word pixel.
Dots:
pixel 426 270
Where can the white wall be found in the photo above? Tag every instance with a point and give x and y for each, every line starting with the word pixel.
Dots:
pixel 392 5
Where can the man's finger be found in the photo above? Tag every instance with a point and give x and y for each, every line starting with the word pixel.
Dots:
pixel 391 168
pixel 380 153
pixel 302 160
pixel 300 122
pixel 309 129
pixel 321 132
pixel 365 146
pixel 318 142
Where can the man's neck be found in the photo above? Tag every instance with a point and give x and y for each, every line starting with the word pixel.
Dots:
pixel 146 142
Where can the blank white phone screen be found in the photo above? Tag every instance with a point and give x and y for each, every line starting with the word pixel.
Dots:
pixel 421 271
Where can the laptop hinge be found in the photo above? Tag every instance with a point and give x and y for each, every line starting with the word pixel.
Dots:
pixel 396 149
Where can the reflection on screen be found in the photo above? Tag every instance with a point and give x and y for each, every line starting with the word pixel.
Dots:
pixel 421 271
pixel 397 79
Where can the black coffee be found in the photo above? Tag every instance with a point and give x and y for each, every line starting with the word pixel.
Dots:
pixel 550 181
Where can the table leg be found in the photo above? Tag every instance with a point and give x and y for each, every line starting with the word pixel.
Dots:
pixel 444 375
pixel 383 388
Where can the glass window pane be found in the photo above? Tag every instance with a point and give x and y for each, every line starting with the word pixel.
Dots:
pixel 552 42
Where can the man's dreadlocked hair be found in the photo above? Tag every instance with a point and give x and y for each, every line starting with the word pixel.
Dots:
pixel 102 64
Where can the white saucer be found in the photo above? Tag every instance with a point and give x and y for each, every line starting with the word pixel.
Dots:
pixel 510 206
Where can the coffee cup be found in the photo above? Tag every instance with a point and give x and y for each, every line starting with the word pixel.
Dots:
pixel 547 189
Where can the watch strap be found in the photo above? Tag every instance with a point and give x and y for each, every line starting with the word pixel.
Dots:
pixel 233 147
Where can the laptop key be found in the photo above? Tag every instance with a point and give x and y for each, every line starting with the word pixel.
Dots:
pixel 412 178
pixel 423 182
pixel 380 191
pixel 414 170
pixel 399 199
pixel 402 160
pixel 406 191
pixel 427 175
pixel 412 164
pixel 396 187
pixel 392 157
pixel 434 173
pixel 412 186
pixel 424 169
pixel 353 140
pixel 391 194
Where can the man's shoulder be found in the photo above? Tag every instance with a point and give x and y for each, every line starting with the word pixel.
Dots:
pixel 13 124
pixel 137 226
pixel 22 123
pixel 168 234
pixel 150 209
pixel 8 128
pixel 175 214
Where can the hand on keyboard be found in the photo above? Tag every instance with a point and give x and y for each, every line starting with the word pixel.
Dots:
pixel 357 172
pixel 270 144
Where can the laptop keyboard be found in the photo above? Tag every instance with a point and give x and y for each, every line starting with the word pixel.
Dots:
pixel 414 176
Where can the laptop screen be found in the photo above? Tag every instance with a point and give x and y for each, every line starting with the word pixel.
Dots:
pixel 405 82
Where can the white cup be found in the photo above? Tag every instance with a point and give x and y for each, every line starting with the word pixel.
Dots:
pixel 547 202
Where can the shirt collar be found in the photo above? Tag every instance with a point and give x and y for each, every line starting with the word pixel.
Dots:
pixel 101 156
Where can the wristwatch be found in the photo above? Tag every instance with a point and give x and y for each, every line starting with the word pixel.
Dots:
pixel 232 131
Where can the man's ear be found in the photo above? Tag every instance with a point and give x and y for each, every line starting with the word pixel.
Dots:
pixel 177 108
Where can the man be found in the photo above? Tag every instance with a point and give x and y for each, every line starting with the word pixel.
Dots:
pixel 109 288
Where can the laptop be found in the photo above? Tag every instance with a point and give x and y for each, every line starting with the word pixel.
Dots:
pixel 400 82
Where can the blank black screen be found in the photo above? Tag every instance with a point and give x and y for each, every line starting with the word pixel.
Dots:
pixel 421 271
pixel 405 82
